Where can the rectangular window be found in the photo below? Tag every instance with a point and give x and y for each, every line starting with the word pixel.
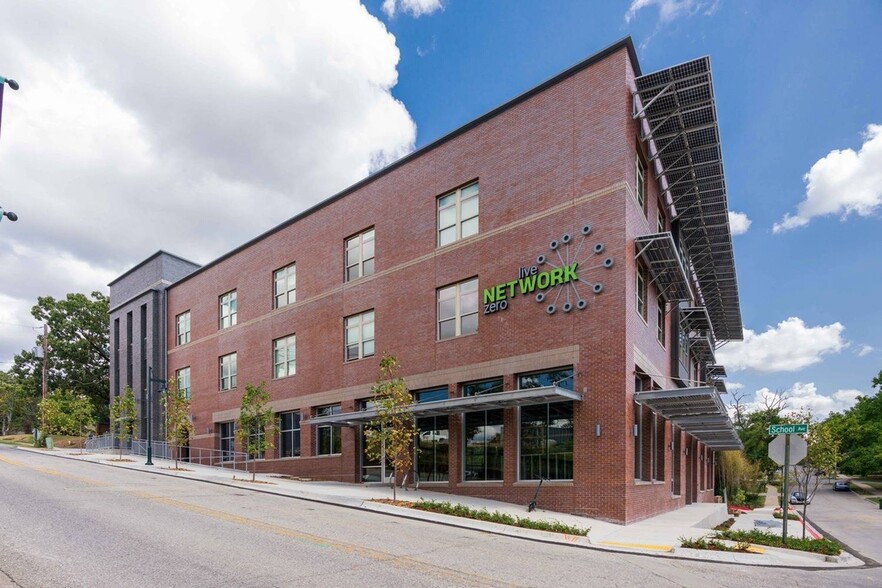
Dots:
pixel 254 437
pixel 360 255
pixel 546 430
pixel 284 286
pixel 661 330
pixel 328 437
pixel 637 434
pixel 289 434
pixel 661 218
pixel 284 356
pixel 458 309
pixel 182 377
pixel 433 437
pixel 641 292
pixel 227 371
pixel 226 433
pixel 359 335
pixel 458 215
pixel 483 447
pixel 659 458
pixel 182 328
pixel 227 304
pixel 640 183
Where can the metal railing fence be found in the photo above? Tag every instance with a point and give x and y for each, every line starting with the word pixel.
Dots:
pixel 236 460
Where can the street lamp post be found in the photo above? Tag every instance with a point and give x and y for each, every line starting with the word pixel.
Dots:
pixel 150 381
pixel 8 214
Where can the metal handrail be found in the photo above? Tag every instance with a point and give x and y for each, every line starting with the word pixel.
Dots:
pixel 236 460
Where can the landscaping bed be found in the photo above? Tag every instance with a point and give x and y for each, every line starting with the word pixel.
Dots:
pixel 482 514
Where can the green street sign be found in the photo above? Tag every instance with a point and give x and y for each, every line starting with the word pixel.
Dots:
pixel 788 429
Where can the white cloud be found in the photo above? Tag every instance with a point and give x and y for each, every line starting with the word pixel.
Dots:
pixel 190 127
pixel 787 347
pixel 739 223
pixel 734 386
pixel 805 398
pixel 669 10
pixel 415 8
pixel 843 182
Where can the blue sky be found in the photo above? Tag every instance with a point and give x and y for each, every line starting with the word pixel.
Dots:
pixel 240 116
pixel 793 82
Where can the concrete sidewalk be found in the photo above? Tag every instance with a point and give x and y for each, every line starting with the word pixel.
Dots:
pixel 660 535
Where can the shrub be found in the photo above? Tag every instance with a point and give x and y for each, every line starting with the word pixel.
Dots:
pixel 482 514
pixel 824 546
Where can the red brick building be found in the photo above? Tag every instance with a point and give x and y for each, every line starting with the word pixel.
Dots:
pixel 553 278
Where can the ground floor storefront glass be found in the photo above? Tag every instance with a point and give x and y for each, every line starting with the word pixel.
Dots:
pixel 546 430
pixel 433 440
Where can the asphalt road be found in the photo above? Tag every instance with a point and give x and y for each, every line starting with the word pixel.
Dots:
pixel 71 523
pixel 848 517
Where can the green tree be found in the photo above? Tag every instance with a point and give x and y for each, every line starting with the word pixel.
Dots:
pixel 255 424
pixel 79 357
pixel 177 413
pixel 391 435
pixel 18 409
pixel 860 431
pixel 123 417
pixel 66 413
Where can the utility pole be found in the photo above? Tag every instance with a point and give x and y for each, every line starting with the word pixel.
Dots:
pixel 45 374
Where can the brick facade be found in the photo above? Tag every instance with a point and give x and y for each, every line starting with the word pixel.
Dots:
pixel 550 162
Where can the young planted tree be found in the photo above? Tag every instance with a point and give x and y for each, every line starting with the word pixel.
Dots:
pixel 821 460
pixel 393 432
pixel 255 418
pixel 177 414
pixel 123 418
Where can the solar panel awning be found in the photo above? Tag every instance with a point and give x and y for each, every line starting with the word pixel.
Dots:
pixel 695 318
pixel 678 120
pixel 508 399
pixel 716 371
pixel 665 266
pixel 699 411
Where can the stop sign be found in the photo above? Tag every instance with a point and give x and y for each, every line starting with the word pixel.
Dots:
pixel 798 449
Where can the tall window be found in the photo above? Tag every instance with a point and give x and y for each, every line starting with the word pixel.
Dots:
pixel 360 255
pixel 637 434
pixel 661 330
pixel 227 371
pixel 641 292
pixel 458 309
pixel 284 286
pixel 328 437
pixel 289 434
pixel 483 445
pixel 640 183
pixel 458 215
pixel 661 218
pixel 254 436
pixel 359 335
pixel 227 304
pixel 182 328
pixel 182 377
pixel 226 433
pixel 283 357
pixel 547 430
pixel 433 436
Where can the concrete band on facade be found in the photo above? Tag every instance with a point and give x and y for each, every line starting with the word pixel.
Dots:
pixel 559 205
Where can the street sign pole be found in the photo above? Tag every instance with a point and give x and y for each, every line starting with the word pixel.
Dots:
pixel 786 499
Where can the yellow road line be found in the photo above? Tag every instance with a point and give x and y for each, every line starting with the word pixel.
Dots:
pixel 638 545
pixel 89 481
pixel 405 562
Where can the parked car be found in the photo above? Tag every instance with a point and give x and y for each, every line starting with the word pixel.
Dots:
pixel 841 486
pixel 799 498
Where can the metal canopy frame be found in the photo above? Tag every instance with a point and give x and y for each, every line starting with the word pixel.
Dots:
pixel 660 255
pixel 716 371
pixel 699 411
pixel 702 348
pixel 679 124
pixel 540 395
pixel 695 319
